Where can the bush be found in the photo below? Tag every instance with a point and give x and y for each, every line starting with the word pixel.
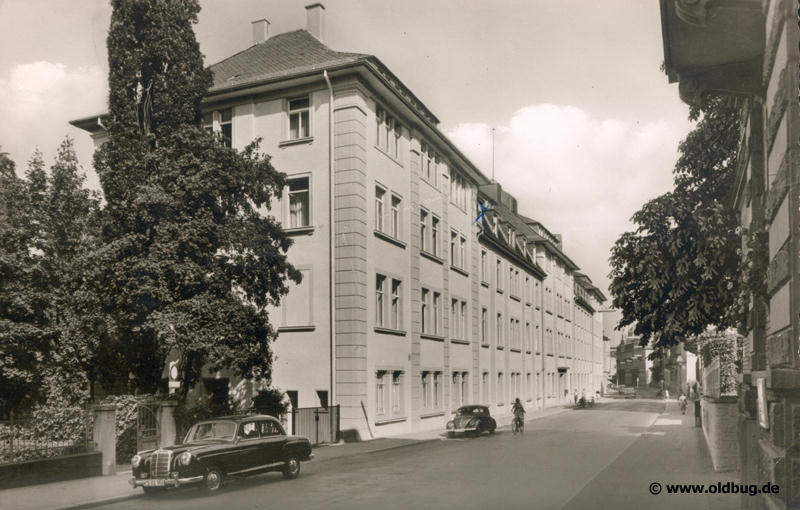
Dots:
pixel 271 401
pixel 725 348
pixel 189 412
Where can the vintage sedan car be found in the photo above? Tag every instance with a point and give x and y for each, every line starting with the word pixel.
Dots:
pixel 471 419
pixel 216 449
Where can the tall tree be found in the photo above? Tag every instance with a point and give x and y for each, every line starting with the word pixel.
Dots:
pixel 678 271
pixel 23 331
pixel 188 260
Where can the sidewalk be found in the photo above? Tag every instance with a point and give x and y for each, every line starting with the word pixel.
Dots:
pixel 671 451
pixel 96 491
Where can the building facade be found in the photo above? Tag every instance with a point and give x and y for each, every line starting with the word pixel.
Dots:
pixel 748 51
pixel 409 306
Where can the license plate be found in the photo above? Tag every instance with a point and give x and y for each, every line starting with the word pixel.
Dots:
pixel 154 483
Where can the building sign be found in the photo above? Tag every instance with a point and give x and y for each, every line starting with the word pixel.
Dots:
pixel 763 418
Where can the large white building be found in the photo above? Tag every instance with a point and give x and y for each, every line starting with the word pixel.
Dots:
pixel 408 307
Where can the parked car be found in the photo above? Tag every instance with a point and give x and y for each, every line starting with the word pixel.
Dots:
pixel 474 418
pixel 216 449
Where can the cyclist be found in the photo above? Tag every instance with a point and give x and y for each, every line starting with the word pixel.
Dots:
pixel 519 415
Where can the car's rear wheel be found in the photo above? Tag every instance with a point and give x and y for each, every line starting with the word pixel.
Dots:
pixel 212 481
pixel 292 468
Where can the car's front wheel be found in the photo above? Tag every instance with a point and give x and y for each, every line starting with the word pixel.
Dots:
pixel 212 481
pixel 292 468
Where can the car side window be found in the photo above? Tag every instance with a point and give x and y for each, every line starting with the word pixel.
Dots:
pixel 269 428
pixel 248 430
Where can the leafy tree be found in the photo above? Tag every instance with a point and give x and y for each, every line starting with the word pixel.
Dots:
pixel 677 272
pixel 187 259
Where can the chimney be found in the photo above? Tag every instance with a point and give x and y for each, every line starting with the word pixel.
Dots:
pixel 315 18
pixel 260 30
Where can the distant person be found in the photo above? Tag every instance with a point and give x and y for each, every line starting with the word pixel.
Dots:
pixel 666 394
pixel 575 397
pixel 682 403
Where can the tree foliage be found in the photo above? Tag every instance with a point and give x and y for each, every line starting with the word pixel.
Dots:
pixel 187 259
pixel 45 226
pixel 677 272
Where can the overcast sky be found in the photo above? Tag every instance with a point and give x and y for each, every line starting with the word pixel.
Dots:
pixel 587 127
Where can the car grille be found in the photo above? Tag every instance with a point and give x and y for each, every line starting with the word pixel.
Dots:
pixel 160 462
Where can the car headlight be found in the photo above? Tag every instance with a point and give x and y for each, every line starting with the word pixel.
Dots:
pixel 185 459
pixel 135 461
pixel 451 425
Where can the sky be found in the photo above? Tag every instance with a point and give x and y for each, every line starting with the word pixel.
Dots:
pixel 586 125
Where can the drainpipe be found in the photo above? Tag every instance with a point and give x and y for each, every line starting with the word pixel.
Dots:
pixel 332 261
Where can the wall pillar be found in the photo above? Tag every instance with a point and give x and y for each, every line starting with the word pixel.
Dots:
pixel 104 435
pixel 166 423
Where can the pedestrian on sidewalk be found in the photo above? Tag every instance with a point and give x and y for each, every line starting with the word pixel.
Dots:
pixel 666 394
pixel 682 403
pixel 575 396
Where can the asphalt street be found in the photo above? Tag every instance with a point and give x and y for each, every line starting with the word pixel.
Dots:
pixel 604 457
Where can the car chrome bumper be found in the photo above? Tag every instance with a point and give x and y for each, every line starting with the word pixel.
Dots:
pixel 164 482
pixel 461 431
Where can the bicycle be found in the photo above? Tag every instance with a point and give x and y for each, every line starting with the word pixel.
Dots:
pixel 517 425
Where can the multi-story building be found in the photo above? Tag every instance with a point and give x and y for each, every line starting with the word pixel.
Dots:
pixel 409 307
pixel 747 50
pixel 634 368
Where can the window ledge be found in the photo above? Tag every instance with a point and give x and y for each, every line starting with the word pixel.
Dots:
pixel 296 141
pixel 485 346
pixel 528 303
pixel 515 350
pixel 429 336
pixel 299 231
pixel 429 255
pixel 296 328
pixel 500 404
pixel 459 270
pixel 386 421
pixel 485 284
pixel 389 239
pixel 380 149
pixel 527 351
pixel 459 341
pixel 433 414
pixel 499 290
pixel 390 331
pixel 515 298
pixel 500 347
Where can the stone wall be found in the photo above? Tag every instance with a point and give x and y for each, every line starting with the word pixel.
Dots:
pixel 721 429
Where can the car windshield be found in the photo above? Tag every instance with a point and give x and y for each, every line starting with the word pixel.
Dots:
pixel 472 410
pixel 212 430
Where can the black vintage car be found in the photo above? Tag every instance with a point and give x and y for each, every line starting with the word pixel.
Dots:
pixel 218 448
pixel 474 419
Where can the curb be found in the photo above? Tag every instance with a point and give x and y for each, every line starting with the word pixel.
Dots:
pixel 415 442
pixel 101 502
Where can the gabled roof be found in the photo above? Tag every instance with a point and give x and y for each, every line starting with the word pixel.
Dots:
pixel 280 55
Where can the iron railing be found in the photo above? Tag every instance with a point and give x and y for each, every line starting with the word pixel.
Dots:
pixel 27 438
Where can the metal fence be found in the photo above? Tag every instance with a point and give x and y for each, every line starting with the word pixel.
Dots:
pixel 27 438
pixel 318 424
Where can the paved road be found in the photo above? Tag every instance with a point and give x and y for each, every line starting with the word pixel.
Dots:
pixel 597 458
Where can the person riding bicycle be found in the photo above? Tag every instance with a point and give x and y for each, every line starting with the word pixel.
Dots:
pixel 519 412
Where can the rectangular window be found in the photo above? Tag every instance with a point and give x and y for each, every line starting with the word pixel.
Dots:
pixel 435 235
pixel 483 265
pixel 456 389
pixel 425 310
pixel 379 116
pixel 299 118
pixel 500 399
pixel 437 389
pixel 498 277
pixel 208 122
pixel 463 320
pixel 226 126
pixel 379 194
pixel 453 245
pixel 395 304
pixel 426 398
pixel 437 314
pixel 395 217
pixel 462 252
pixel 528 332
pixel 396 141
pixel 299 203
pixel 379 303
pixel 485 388
pixel 464 388
pixel 397 393
pixel 454 323
pixel 380 393
pixel 484 326
pixel 499 327
pixel 529 386
pixel 423 233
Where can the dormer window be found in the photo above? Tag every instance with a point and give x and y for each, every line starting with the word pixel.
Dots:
pixel 299 118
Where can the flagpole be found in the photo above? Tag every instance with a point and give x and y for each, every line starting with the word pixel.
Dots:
pixel 492 154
